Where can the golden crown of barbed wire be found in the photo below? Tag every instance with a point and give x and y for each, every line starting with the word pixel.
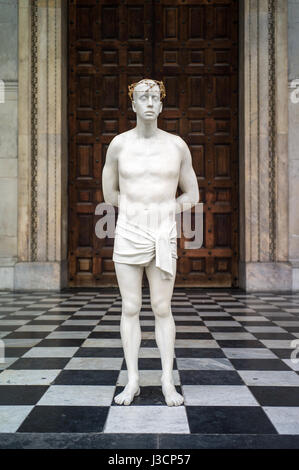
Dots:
pixel 147 80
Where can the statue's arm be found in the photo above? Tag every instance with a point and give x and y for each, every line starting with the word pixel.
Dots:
pixel 187 180
pixel 110 179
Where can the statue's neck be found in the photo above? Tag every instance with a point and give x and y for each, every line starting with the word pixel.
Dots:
pixel 146 129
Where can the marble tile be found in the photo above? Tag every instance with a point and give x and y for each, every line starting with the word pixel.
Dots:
pixel 7 308
pixel 264 329
pixel 89 313
pixel 21 343
pixel 64 422
pixel 277 343
pixel 28 377
pixel 51 352
pixel 113 317
pixel 239 310
pixel 147 378
pixel 78 395
pixel 249 353
pixel 53 317
pixel 144 323
pixel 292 364
pixel 102 343
pixel 184 318
pixel 218 395
pixel 221 323
pixel 62 309
pixel 285 419
pixel 148 335
pixel 95 363
pixel 149 419
pixel 37 328
pixel 260 318
pixel 232 336
pixel 70 303
pixel 198 343
pixel 11 417
pixel 213 314
pixel 68 335
pixel 26 313
pixel 8 361
pixel 191 329
pixel 204 364
pixel 149 352
pixel 270 378
pixel 80 322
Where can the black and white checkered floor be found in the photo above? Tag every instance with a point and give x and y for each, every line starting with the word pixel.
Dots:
pixel 235 363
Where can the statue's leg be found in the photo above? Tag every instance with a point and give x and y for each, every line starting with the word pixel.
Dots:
pixel 129 279
pixel 161 291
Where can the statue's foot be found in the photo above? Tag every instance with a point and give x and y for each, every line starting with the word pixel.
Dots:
pixel 130 391
pixel 172 397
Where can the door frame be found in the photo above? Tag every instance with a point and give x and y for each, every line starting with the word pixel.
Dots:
pixel 263 145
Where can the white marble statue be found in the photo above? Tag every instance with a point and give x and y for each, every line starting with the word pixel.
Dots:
pixel 143 168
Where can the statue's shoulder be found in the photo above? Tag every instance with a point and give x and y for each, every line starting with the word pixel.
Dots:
pixel 118 141
pixel 175 139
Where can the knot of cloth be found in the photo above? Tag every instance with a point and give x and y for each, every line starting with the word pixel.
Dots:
pixel 139 244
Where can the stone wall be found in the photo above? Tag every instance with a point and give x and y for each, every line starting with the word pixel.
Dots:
pixel 293 40
pixel 8 141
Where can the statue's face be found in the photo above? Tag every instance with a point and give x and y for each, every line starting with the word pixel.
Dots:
pixel 147 103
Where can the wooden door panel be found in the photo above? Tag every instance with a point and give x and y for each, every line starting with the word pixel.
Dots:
pixel 192 46
pixel 196 53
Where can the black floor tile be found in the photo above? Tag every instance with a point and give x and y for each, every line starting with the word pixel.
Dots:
pixel 199 352
pixel 15 395
pixel 99 352
pixel 210 377
pixel 276 396
pixel 65 419
pixel 28 335
pixel 60 343
pixel 229 420
pixel 15 352
pixel 87 377
pixel 42 363
pixel 236 343
pixel 105 334
pixel 259 364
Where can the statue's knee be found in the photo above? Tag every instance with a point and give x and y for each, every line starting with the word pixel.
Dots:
pixel 131 308
pixel 161 309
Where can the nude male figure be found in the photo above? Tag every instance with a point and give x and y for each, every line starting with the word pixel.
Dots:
pixel 145 165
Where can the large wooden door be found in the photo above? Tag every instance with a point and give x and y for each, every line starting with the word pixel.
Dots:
pixel 192 46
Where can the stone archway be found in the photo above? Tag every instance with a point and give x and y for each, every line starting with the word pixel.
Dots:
pixel 43 155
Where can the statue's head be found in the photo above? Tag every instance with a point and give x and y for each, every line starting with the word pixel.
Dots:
pixel 146 96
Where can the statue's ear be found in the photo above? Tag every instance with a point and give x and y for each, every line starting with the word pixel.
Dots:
pixel 161 107
pixel 133 106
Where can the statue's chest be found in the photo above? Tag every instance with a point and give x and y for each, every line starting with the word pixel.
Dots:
pixel 149 162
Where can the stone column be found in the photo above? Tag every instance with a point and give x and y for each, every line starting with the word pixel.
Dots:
pixel 264 257
pixel 8 141
pixel 42 217
pixel 294 137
